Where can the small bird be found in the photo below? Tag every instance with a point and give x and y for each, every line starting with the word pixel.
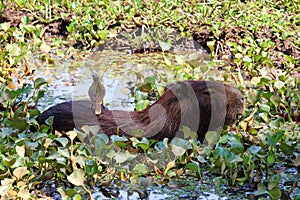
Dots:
pixel 96 93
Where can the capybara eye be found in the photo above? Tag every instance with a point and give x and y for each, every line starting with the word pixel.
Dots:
pixel 207 93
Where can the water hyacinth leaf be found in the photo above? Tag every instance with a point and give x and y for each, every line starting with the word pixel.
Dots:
pixel 254 149
pixel 264 108
pixel 275 99
pixel 72 135
pixel 141 105
pixel 77 177
pixel 194 166
pixel 181 142
pixel 39 82
pixel 137 133
pixel 24 193
pixel 20 172
pixel 235 144
pixel 279 84
pixel 264 116
pixel 188 133
pixel 170 165
pixel 287 149
pixel 271 158
pixel 140 169
pixel 275 193
pixel 123 157
pixel 212 137
pixel 63 141
pixel 211 45
pixel 164 45
pixel 20 150
pixel 5 26
pixel 167 62
pixel 177 150
pixel 49 121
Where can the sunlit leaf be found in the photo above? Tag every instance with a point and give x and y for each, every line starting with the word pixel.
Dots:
pixel 20 172
pixel 20 150
pixel 72 135
pixel 164 46
pixel 45 48
pixel 77 177
pixel 177 150
pixel 279 84
pixel 170 165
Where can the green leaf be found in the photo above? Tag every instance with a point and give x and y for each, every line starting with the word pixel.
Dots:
pixel 194 166
pixel 63 141
pixel 141 105
pixel 140 169
pixel 287 149
pixel 271 158
pixel 188 133
pixel 212 137
pixel 275 193
pixel 264 108
pixel 39 82
pixel 235 144
pixel 77 177
pixel 20 150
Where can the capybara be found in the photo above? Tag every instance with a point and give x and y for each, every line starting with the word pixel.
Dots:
pixel 199 105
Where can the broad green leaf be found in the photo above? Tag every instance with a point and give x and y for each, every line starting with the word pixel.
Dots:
pixel 39 82
pixel 188 133
pixel 275 193
pixel 194 166
pixel 140 169
pixel 123 157
pixel 212 137
pixel 287 149
pixel 264 108
pixel 77 177
pixel 62 140
pixel 254 149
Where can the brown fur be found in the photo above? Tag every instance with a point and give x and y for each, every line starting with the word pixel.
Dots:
pixel 199 105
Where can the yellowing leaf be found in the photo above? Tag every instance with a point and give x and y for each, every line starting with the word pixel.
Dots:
pixel 167 61
pixel 20 172
pixel 45 48
pixel 297 160
pixel 20 150
pixel 77 177
pixel 178 150
pixel 170 165
pixel 72 134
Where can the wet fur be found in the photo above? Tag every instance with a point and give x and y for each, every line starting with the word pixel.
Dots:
pixel 199 105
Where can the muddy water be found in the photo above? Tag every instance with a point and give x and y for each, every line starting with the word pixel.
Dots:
pixel 120 71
